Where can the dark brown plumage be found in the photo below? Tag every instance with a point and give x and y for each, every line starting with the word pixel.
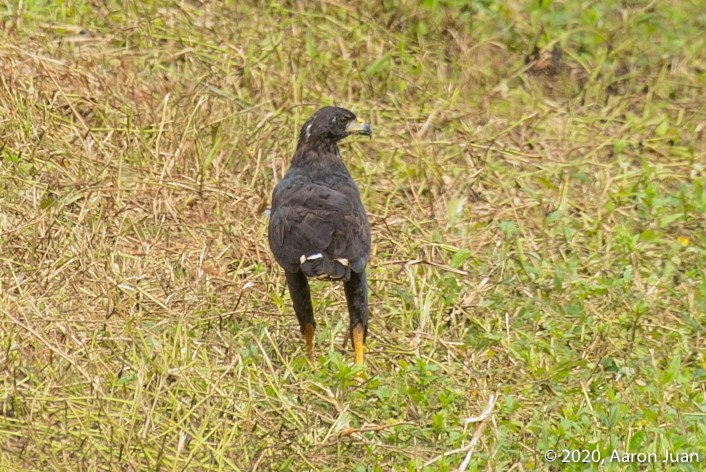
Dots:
pixel 318 226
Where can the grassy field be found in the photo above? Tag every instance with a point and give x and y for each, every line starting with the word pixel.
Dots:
pixel 536 186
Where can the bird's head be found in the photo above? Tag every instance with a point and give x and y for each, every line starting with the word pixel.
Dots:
pixel 333 124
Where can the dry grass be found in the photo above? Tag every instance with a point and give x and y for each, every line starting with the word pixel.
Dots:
pixel 537 191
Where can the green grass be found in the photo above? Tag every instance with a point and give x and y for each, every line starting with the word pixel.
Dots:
pixel 536 187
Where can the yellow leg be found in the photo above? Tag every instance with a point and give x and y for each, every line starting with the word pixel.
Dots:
pixel 309 339
pixel 358 335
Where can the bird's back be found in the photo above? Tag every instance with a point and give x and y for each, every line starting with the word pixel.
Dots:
pixel 318 223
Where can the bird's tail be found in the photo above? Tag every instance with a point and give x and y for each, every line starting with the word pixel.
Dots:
pixel 317 265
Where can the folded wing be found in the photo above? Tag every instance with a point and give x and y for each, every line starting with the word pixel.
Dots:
pixel 319 228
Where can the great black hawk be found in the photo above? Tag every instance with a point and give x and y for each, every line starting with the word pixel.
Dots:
pixel 318 227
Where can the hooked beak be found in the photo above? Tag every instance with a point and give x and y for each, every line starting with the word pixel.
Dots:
pixel 359 126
